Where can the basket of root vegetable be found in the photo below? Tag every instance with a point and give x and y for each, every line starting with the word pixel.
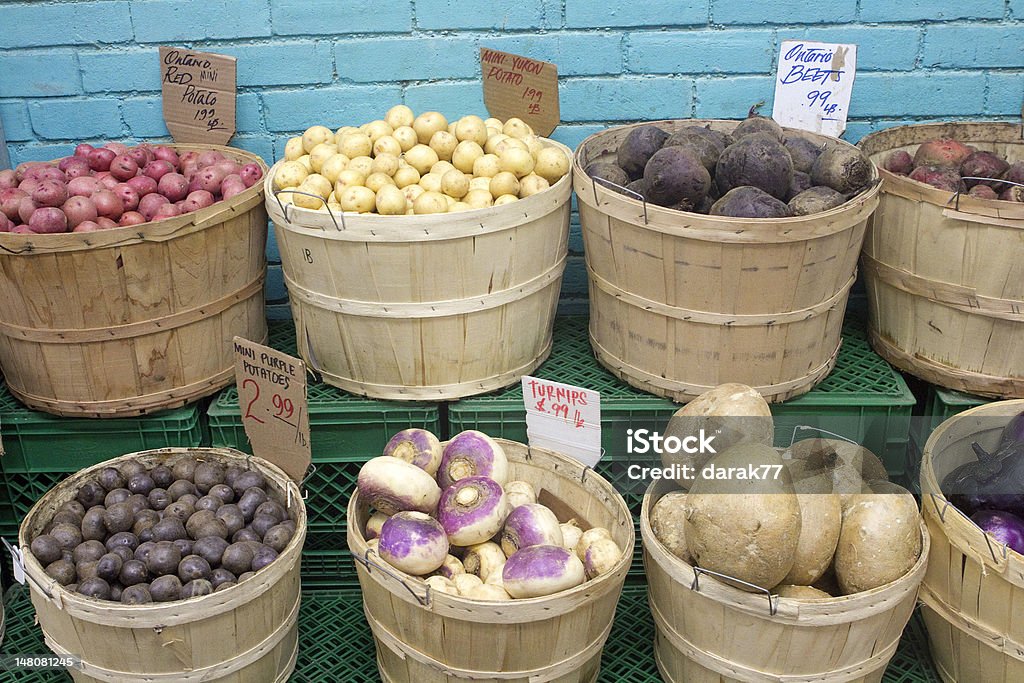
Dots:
pixel 478 545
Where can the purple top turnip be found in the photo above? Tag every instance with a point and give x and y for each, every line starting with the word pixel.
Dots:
pixel 413 542
pixel 541 570
pixel 418 447
pixel 472 510
pixel 530 524
pixel 472 454
pixel 483 559
pixel 392 485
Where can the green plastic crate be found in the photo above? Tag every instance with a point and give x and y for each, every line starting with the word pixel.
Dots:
pixel 341 424
pixel 42 449
pixel 939 405
pixel 335 642
pixel 863 399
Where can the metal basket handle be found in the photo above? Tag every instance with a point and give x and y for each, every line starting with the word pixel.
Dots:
pixel 809 428
pixel 625 190
pixel 284 207
pixel 955 199
pixel 772 599
pixel 370 565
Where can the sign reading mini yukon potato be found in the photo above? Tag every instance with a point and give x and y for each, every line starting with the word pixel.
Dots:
pixel 516 86
pixel 199 95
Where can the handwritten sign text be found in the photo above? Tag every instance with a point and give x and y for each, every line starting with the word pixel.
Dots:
pixel 199 95
pixel 521 87
pixel 813 86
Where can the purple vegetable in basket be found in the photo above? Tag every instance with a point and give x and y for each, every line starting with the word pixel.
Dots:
pixel 391 485
pixel 417 446
pixel 995 480
pixel 530 524
pixel 472 454
pixel 541 570
pixel 413 542
pixel 1005 527
pixel 472 510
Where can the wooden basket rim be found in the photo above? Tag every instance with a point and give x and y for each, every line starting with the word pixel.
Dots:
pixel 152 231
pixel 423 228
pixel 168 613
pixel 718 228
pixel 789 609
pixel 446 604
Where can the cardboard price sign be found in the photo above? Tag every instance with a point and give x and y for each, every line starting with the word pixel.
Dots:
pixel 522 87
pixel 199 95
pixel 813 86
pixel 564 418
pixel 272 400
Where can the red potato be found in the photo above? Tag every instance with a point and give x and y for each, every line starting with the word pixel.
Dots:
pixel 174 186
pixel 166 211
pixel 149 204
pixel 210 178
pixel 50 193
pixel 108 204
pixel 99 159
pixel 157 169
pixel 199 199
pixel 87 226
pixel 162 153
pixel 10 198
pixel 141 155
pixel 123 167
pixel 84 186
pixel 117 147
pixel 106 180
pixel 29 185
pixel 209 158
pixel 230 167
pixel 26 208
pixel 129 197
pixel 22 229
pixel 24 167
pixel 142 185
pixel 46 172
pixel 5 223
pixel 48 219
pixel 232 185
pixel 7 179
pixel 106 223
pixel 83 149
pixel 79 210
pixel 77 168
pixel 251 174
pixel 63 163
pixel 131 218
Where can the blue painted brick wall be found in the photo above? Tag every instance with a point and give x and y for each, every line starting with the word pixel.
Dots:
pixel 87 70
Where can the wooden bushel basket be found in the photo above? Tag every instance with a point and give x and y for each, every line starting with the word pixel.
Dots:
pixel 427 637
pixel 683 302
pixel 429 307
pixel 131 320
pixel 973 591
pixel 242 634
pixel 710 632
pixel 945 272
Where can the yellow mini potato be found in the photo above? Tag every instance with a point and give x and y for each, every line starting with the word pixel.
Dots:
pixel 411 192
pixel 450 200
pixel 346 179
pixel 384 163
pixel 492 122
pixel 387 144
pixel 492 131
pixel 551 164
pixel 491 146
pixel 307 197
pixel 532 184
pixel 508 143
pixel 293 149
pixel 533 143
pixel 323 185
pixel 399 115
pixel 431 182
pixel 428 123
pixel 444 143
pixel 480 183
pixel 506 199
pixel 471 129
pixel 442 167
pixel 516 128
pixel 355 145
pixel 362 165
pixel 504 183
pixel 465 155
pixel 517 161
pixel 375 181
pixel 406 137
pixel 378 129
pixel 406 175
pixel 430 202
pixel 343 131
pixel 304 160
pixel 391 201
pixel 358 198
pixel 455 183
pixel 290 174
pixel 487 166
pixel 320 154
pixel 285 195
pixel 316 135
pixel 459 206
pixel 421 157
pixel 478 199
pixel 333 167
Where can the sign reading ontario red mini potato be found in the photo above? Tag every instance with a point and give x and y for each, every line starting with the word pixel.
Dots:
pixel 199 95
pixel 516 86
pixel 272 400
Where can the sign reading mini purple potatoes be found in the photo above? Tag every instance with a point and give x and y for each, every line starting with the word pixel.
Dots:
pixel 813 86
pixel 563 418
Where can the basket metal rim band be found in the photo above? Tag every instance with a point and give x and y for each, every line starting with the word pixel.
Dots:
pixel 945 375
pixel 721 665
pixel 712 318
pixel 547 673
pixel 427 309
pixel 696 389
pixel 962 298
pixel 983 634
pixel 232 665
pixel 162 324
pixel 436 391
pixel 1009 216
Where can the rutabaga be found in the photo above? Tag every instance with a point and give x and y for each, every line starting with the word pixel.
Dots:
pixel 530 524
pixel 472 454
pixel 472 510
pixel 541 570
pixel 413 542
pixel 483 559
pixel 418 447
pixel 391 485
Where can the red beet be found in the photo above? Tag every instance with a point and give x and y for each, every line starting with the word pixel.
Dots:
pixel 944 178
pixel 1014 193
pixel 941 152
pixel 983 165
pixel 983 192
pixel 899 162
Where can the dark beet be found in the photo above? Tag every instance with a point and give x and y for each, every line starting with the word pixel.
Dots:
pixel 803 152
pixel 638 147
pixel 749 202
pixel 801 181
pixel 943 152
pixel 944 178
pixel 983 165
pixel 757 160
pixel 675 174
pixel 703 142
pixel 845 169
pixel 899 162
pixel 815 200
